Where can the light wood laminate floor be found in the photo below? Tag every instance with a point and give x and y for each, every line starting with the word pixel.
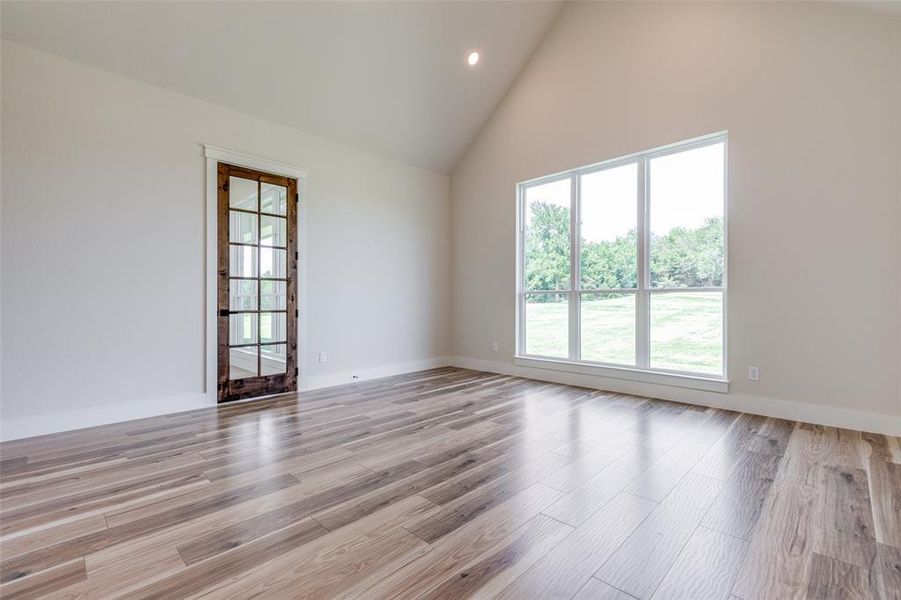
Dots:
pixel 450 484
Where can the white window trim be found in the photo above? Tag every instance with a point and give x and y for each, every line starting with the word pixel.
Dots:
pixel 657 376
pixel 214 155
pixel 642 372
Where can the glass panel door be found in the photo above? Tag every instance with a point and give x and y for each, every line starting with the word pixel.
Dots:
pixel 257 290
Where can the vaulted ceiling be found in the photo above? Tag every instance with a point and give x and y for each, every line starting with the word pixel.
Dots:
pixel 388 77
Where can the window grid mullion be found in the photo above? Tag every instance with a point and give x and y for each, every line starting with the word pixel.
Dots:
pixel 520 341
pixel 642 312
pixel 575 232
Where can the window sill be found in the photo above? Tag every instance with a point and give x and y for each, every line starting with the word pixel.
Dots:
pixel 694 382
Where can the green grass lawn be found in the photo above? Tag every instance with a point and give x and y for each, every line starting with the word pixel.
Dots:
pixel 686 330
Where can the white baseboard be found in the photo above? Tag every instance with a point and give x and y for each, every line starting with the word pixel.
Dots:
pixel 758 405
pixel 313 382
pixel 90 416
pixel 476 364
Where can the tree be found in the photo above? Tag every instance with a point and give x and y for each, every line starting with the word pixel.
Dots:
pixel 689 257
pixel 681 257
pixel 547 247
pixel 610 264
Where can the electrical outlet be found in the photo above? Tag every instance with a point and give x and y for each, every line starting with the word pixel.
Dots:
pixel 496 347
pixel 753 374
pixel 323 357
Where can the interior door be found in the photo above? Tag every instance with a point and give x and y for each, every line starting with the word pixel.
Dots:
pixel 257 322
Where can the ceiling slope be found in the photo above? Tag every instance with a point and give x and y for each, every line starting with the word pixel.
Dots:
pixel 387 77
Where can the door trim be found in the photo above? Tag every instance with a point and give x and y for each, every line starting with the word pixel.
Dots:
pixel 214 155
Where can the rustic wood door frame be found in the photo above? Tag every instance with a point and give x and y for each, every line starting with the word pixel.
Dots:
pixel 214 156
pixel 228 387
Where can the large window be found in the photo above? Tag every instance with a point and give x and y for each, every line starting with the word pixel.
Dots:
pixel 623 263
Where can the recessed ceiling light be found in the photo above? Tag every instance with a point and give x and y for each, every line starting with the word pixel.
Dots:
pixel 473 59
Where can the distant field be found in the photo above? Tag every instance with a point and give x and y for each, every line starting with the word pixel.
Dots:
pixel 686 330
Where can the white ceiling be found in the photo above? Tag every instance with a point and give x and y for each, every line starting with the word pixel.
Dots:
pixel 389 77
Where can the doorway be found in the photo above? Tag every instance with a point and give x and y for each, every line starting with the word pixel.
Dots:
pixel 257 283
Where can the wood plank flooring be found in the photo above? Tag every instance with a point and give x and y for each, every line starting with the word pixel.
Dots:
pixel 452 483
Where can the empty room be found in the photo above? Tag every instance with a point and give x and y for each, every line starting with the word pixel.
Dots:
pixel 450 299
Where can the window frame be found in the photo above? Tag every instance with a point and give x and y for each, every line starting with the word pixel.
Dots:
pixel 642 369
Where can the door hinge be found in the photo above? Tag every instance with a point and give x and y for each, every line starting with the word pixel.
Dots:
pixel 296 312
pixel 297 196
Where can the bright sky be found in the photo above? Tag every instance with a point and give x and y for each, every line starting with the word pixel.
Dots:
pixel 609 203
pixel 549 193
pixel 686 188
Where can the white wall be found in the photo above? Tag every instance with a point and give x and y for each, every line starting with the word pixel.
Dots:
pixel 103 246
pixel 811 96
pixel 102 233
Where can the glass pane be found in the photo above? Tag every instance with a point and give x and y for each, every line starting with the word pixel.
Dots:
pixel 273 231
pixel 547 325
pixel 686 203
pixel 242 193
pixel 273 199
pixel 242 362
pixel 273 296
pixel 273 327
pixel 242 328
pixel 242 261
pixel 273 263
pixel 687 331
pixel 242 294
pixel 547 236
pixel 608 328
pixel 609 228
pixel 242 227
pixel 273 359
